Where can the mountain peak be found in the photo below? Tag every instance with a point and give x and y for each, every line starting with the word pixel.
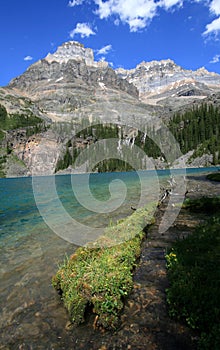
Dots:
pixel 164 62
pixel 204 71
pixel 72 68
pixel 75 51
pixel 150 67
pixel 71 50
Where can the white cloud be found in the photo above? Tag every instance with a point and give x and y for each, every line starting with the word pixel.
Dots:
pixel 215 59
pixel 131 10
pixel 213 27
pixel 28 58
pixel 83 29
pixel 104 8
pixel 136 13
pixel 104 50
pixel 137 24
pixel 215 7
pixel 75 3
pixel 170 3
pixel 139 13
pixel 102 59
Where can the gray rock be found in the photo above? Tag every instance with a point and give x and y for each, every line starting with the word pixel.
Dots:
pixel 158 80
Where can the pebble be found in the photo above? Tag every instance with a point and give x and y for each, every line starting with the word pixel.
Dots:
pixel 68 326
pixel 134 327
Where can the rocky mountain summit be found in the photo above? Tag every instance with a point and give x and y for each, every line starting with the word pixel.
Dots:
pixel 74 50
pixel 70 79
pixel 158 80
pixel 68 86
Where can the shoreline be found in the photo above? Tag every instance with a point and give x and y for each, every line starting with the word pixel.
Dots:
pixel 145 323
pixel 212 168
pixel 143 309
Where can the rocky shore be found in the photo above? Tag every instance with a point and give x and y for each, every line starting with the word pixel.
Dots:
pixel 145 324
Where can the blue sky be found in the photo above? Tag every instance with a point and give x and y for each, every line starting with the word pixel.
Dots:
pixel 122 32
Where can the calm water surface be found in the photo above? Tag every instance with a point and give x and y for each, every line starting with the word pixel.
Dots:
pixel 32 317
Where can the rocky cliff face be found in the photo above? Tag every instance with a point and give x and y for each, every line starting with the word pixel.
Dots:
pixel 31 155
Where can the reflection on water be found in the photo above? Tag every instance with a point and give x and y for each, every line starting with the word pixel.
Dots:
pixel 31 314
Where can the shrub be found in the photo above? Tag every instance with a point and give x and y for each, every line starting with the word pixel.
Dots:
pixel 214 177
pixel 194 273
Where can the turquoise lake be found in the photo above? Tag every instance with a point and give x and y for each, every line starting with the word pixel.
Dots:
pixel 30 250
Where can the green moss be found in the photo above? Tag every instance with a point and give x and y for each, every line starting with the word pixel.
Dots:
pixel 102 277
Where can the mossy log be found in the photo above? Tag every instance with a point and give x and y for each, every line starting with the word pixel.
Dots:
pixel 99 277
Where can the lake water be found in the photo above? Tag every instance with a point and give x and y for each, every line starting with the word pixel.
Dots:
pixel 32 317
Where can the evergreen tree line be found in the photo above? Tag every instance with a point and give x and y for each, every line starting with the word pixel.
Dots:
pixel 106 131
pixel 199 130
pixel 112 164
pixel 99 131
pixel 30 122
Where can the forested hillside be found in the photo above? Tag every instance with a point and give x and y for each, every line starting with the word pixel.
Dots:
pixel 198 129
pixel 91 135
pixel 195 130
pixel 30 123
